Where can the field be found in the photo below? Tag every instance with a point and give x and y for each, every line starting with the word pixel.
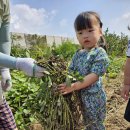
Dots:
pixel 115 106
pixel 32 100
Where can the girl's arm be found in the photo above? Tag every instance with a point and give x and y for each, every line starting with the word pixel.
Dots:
pixel 98 69
pixel 88 80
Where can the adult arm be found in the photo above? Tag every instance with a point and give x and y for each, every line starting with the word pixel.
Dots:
pixel 126 84
pixel 27 65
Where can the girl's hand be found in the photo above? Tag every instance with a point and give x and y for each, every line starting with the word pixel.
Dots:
pixel 63 89
pixel 125 92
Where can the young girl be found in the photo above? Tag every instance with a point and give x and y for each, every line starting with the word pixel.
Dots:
pixel 91 62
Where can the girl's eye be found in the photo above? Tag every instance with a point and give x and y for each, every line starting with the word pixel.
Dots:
pixel 79 32
pixel 91 30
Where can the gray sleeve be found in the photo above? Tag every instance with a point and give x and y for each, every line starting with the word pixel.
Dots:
pixel 7 61
pixel 5 45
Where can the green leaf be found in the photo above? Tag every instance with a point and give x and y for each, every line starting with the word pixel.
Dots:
pixel 68 81
pixel 26 111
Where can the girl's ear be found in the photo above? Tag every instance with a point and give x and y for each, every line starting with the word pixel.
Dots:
pixel 101 32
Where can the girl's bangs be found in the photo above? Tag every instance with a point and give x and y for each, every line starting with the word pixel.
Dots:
pixel 82 22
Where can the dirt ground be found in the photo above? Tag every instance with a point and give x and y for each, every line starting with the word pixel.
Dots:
pixel 115 106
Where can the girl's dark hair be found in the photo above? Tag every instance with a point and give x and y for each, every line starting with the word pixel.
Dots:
pixel 84 20
pixel 102 43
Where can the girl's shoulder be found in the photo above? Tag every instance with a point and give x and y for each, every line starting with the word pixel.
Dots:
pixel 79 51
pixel 75 55
pixel 94 52
pixel 98 51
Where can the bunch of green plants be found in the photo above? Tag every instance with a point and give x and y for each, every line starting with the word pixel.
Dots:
pixel 54 111
pixel 28 107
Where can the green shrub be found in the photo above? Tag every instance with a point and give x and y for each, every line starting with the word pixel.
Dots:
pixel 116 66
pixel 66 50
pixel 116 44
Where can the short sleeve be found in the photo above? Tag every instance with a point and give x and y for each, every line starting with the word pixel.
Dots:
pixel 100 64
pixel 72 66
pixel 128 49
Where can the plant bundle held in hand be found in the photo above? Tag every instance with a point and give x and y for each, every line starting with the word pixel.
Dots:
pixel 54 111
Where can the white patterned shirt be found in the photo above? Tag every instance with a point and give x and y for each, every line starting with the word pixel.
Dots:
pixel 128 49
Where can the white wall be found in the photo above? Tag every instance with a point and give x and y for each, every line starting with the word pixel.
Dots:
pixel 27 40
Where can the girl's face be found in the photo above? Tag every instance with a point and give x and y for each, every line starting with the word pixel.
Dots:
pixel 89 37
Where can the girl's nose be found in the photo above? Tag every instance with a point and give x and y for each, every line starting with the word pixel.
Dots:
pixel 85 35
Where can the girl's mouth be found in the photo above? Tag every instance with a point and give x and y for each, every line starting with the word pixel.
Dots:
pixel 86 41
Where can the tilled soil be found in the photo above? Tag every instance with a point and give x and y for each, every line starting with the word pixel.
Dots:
pixel 115 105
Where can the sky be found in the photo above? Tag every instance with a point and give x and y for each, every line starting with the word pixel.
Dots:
pixel 56 17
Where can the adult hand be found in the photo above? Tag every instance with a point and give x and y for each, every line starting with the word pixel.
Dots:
pixel 28 66
pixel 125 92
pixel 6 83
